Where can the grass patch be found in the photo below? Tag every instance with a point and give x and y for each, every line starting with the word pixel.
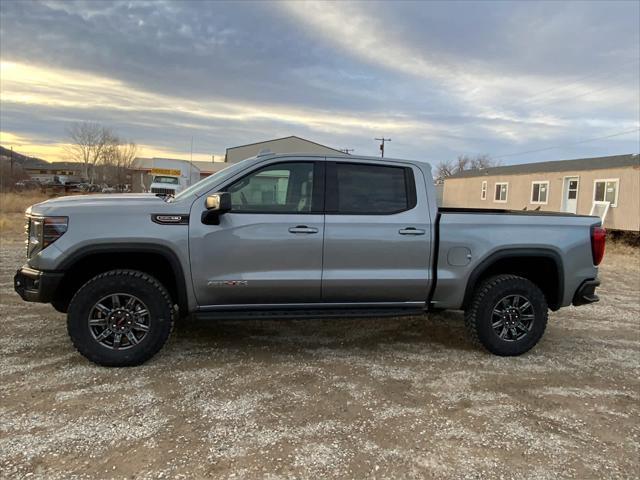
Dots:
pixel 618 247
pixel 12 207
pixel 17 202
pixel 12 226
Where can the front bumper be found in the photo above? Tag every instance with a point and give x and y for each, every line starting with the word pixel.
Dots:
pixel 36 286
pixel 586 293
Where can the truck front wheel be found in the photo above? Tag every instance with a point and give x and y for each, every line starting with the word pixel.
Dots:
pixel 120 318
pixel 507 315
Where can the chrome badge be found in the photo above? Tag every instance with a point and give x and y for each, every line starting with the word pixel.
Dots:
pixel 227 283
pixel 182 219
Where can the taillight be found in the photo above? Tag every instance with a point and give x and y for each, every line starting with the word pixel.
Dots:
pixel 598 240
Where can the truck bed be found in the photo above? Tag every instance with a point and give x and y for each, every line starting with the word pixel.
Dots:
pixel 467 238
pixel 502 211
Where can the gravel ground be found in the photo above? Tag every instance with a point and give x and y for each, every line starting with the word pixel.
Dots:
pixel 381 398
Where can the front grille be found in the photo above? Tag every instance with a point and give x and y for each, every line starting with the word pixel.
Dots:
pixel 163 191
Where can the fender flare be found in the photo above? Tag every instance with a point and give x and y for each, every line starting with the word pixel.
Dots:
pixel 491 259
pixel 136 247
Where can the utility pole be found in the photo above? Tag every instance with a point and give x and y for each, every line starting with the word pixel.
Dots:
pixel 12 162
pixel 347 150
pixel 191 161
pixel 382 140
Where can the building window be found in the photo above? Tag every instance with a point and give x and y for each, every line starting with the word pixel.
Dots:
pixel 501 192
pixel 539 192
pixel 483 192
pixel 606 191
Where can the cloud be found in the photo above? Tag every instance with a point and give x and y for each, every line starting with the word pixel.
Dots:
pixel 363 31
pixel 32 85
pixel 442 78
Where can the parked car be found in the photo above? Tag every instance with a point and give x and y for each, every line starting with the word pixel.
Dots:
pixel 301 236
pixel 24 185
pixel 82 186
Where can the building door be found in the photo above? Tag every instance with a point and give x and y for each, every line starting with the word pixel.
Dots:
pixel 570 199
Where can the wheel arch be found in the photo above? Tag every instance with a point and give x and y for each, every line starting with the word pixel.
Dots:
pixel 542 266
pixel 156 260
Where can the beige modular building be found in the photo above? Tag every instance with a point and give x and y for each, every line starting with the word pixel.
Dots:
pixel 291 144
pixel 562 186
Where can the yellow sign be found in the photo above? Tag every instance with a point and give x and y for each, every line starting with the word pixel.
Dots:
pixel 165 171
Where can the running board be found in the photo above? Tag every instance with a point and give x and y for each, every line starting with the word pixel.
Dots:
pixel 308 314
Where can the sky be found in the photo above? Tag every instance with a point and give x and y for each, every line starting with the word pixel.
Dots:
pixel 518 81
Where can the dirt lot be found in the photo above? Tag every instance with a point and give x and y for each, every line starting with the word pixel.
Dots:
pixel 388 398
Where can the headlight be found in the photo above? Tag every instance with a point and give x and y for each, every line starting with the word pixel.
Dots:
pixel 43 231
pixel 34 234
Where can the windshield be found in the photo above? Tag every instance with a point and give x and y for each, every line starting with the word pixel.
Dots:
pixel 217 177
pixel 172 180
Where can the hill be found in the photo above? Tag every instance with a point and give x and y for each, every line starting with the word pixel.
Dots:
pixel 20 159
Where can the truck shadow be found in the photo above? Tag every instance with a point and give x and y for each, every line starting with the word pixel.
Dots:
pixel 444 329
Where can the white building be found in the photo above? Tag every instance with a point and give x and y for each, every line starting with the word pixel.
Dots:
pixel 291 144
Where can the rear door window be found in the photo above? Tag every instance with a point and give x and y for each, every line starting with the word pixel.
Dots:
pixel 361 189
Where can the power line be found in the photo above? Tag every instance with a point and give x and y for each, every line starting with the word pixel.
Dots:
pixel 567 144
pixel 553 101
pixel 578 80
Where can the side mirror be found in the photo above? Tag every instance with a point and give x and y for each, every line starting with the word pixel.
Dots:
pixel 216 205
pixel 218 202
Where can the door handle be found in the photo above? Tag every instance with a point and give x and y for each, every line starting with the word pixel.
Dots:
pixel 303 229
pixel 411 231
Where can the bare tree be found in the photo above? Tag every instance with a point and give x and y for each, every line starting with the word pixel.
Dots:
pixel 483 161
pixel 463 162
pixel 446 168
pixel 125 155
pixel 116 161
pixel 89 141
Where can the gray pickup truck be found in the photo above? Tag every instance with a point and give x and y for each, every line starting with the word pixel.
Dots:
pixel 300 236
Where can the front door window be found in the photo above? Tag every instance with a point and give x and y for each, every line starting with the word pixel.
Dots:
pixel 279 188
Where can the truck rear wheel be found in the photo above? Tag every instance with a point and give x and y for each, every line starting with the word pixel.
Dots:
pixel 120 318
pixel 507 315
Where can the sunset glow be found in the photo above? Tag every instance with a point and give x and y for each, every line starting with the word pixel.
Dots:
pixel 171 75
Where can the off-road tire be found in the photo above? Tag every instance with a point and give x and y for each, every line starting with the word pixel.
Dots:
pixel 478 316
pixel 60 305
pixel 143 286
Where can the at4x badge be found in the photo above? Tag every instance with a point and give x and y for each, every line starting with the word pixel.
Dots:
pixel 227 283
